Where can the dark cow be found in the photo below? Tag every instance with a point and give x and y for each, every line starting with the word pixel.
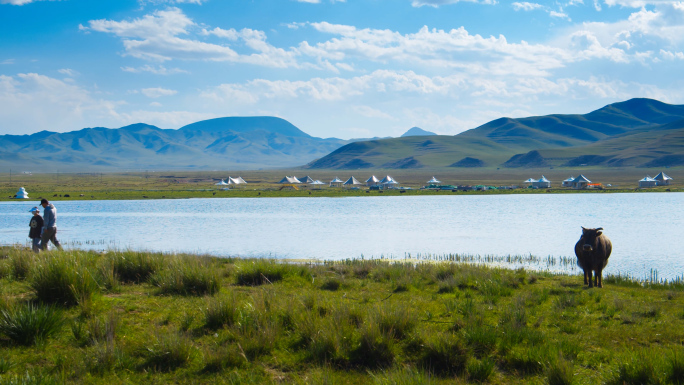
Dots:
pixel 592 251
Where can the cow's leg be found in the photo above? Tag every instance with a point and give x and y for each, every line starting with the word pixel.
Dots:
pixel 599 277
pixel 591 283
pixel 587 276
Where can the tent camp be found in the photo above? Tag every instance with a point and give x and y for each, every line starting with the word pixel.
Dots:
pixel 352 181
pixel 434 181
pixel 372 181
pixel 647 181
pixel 306 179
pixel 316 183
pixel 221 183
pixel 568 182
pixel 388 180
pixel 337 182
pixel 662 179
pixel 290 180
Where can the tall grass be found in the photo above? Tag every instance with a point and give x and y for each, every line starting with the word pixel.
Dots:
pixel 444 354
pixel 187 277
pixel 169 352
pixel 221 312
pixel 63 278
pixel 259 272
pixel 134 266
pixel 29 324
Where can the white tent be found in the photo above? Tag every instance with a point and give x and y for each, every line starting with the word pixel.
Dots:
pixel 434 181
pixel 337 182
pixel 531 180
pixel 22 193
pixel 290 180
pixel 221 183
pixel 388 180
pixel 542 183
pixel 316 182
pixel 352 181
pixel 306 179
pixel 237 180
pixel 662 179
pixel 568 182
pixel 580 182
pixel 372 181
pixel 648 182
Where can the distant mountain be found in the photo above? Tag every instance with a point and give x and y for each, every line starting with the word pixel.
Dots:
pixel 223 143
pixel 637 132
pixel 417 131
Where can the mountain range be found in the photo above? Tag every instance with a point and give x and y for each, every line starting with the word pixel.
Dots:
pixel 223 143
pixel 637 132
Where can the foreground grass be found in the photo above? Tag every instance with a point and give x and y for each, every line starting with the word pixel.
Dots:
pixel 131 317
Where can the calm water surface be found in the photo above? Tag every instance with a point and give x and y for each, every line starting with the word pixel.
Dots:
pixel 645 228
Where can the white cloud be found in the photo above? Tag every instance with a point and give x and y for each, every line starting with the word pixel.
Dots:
pixel 157 92
pixel 68 72
pixel 160 70
pixel 526 6
pixel 560 15
pixel 156 37
pixel 155 104
pixel 437 3
pixel 7 62
pixel 21 2
pixel 370 112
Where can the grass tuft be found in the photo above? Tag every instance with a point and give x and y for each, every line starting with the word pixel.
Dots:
pixel 480 371
pixel 28 324
pixel 220 312
pixel 444 354
pixel 169 352
pixel 63 279
pixel 187 277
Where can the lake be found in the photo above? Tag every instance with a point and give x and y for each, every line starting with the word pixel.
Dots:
pixel 645 228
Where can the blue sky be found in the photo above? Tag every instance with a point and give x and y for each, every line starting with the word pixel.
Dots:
pixel 334 68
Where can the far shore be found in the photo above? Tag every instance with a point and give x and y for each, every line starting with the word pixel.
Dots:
pixel 263 184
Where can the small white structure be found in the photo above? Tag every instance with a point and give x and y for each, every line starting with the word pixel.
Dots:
pixel 352 181
pixel 581 182
pixel 647 182
pixel 22 194
pixel 290 180
pixel 542 183
pixel 221 183
pixel 316 183
pixel 539 183
pixel 568 182
pixel 306 179
pixel 388 181
pixel 237 180
pixel 337 182
pixel 434 181
pixel 372 181
pixel 662 179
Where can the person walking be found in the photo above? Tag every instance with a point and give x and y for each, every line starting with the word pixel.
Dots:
pixel 49 225
pixel 36 225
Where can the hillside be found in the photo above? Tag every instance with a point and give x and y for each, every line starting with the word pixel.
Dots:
pixel 637 132
pixel 233 142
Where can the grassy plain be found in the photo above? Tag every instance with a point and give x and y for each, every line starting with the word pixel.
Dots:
pixel 133 317
pixel 169 185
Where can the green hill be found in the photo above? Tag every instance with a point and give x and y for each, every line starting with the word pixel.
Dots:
pixel 636 132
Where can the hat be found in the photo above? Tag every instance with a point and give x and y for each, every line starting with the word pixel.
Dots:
pixel 34 210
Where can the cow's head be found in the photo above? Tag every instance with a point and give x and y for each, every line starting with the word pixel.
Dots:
pixel 590 236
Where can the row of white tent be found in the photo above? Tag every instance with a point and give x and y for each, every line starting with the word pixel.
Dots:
pixel 230 181
pixel 337 182
pixel 661 179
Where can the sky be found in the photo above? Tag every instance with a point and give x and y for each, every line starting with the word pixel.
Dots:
pixel 333 68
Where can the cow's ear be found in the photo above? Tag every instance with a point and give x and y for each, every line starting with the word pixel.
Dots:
pixel 582 228
pixel 598 233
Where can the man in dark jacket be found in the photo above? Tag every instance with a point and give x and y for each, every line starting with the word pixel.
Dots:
pixel 36 225
pixel 49 225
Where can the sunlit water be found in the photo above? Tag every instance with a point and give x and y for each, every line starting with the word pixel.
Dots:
pixel 645 228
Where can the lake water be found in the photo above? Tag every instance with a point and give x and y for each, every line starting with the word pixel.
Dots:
pixel 645 228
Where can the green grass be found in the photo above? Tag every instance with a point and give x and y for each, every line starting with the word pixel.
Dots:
pixel 334 322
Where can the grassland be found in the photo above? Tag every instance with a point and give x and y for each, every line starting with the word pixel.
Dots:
pixel 170 185
pixel 132 317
